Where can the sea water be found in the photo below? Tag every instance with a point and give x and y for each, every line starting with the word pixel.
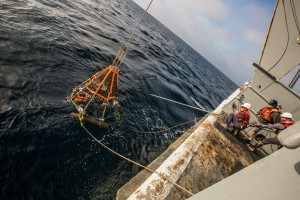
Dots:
pixel 49 47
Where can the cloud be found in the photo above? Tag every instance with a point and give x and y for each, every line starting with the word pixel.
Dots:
pixel 253 36
pixel 230 34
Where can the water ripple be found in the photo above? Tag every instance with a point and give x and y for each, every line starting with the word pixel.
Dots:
pixel 49 47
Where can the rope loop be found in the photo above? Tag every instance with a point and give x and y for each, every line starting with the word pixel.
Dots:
pixel 80 116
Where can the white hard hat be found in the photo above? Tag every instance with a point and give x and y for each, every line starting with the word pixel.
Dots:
pixel 246 83
pixel 287 115
pixel 247 105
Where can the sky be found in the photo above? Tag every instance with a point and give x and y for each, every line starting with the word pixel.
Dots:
pixel 228 33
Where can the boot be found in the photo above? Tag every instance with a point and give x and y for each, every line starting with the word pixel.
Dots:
pixel 229 128
pixel 235 132
pixel 253 148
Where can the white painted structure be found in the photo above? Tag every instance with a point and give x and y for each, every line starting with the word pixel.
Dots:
pixel 274 177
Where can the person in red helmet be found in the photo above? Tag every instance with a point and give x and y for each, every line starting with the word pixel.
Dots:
pixel 286 120
pixel 239 120
pixel 269 114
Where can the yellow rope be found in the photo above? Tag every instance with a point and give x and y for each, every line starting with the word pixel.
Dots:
pixel 80 117
pixel 138 164
pixel 135 130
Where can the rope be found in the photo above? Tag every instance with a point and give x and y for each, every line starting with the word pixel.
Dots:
pixel 136 163
pixel 135 130
pixel 128 41
pixel 123 50
pixel 180 103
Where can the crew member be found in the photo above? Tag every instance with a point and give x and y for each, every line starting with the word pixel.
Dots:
pixel 286 120
pixel 246 84
pixel 267 115
pixel 239 120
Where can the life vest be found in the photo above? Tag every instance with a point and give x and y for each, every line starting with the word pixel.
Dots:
pixel 265 113
pixel 81 98
pixel 286 124
pixel 245 118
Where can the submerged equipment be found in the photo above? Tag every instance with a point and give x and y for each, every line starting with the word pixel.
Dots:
pixel 96 95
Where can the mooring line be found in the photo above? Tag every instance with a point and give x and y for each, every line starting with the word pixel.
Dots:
pixel 180 103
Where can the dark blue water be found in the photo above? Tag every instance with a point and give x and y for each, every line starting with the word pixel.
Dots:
pixel 49 47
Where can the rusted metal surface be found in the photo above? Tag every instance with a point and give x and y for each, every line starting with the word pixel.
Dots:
pixel 217 158
pixel 136 181
pixel 207 156
pixel 175 165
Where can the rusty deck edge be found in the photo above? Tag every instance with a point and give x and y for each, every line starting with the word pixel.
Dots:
pixel 136 182
pixel 173 166
pixel 126 190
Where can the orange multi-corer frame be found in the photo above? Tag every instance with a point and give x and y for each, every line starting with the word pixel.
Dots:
pixel 104 83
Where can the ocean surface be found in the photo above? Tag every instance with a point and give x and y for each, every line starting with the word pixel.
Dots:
pixel 49 47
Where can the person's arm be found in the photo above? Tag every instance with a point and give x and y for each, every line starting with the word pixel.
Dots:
pixel 275 126
pixel 275 117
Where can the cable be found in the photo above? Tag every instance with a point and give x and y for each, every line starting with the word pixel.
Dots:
pixel 180 103
pixel 128 41
pixel 123 50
